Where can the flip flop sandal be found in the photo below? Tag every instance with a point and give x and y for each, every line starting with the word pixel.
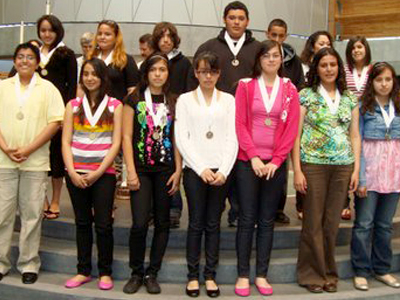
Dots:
pixel 52 215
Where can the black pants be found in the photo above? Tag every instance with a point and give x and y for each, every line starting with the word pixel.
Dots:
pixel 282 201
pixel 205 203
pixel 258 202
pixel 152 196
pixel 100 198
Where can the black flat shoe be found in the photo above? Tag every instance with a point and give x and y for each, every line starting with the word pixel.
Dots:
pixel 192 293
pixel 29 278
pixel 133 285
pixel 213 293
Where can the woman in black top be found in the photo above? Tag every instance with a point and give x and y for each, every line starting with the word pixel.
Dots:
pixel 58 65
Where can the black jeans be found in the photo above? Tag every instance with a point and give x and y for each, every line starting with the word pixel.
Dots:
pixel 100 198
pixel 152 196
pixel 205 203
pixel 258 202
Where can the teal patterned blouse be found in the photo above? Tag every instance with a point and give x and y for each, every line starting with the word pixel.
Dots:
pixel 326 137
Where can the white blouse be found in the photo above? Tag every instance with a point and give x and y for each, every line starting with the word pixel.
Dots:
pixel 193 125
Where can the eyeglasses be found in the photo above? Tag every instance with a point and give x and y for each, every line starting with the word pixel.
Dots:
pixel 205 72
pixel 27 57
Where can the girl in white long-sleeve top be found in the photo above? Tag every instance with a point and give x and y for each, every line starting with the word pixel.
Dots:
pixel 206 138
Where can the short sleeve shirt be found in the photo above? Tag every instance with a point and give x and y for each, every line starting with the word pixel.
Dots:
pixel 326 136
pixel 150 154
pixel 45 105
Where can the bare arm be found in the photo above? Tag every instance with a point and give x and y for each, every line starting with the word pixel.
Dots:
pixel 300 182
pixel 356 145
pixel 127 134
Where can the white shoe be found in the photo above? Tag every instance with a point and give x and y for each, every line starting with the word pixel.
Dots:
pixel 388 279
pixel 360 283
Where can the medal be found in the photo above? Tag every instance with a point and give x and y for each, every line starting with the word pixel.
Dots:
pixel 20 115
pixel 209 135
pixel 92 136
pixel 387 136
pixel 235 62
pixel 44 72
pixel 268 122
pixel 156 135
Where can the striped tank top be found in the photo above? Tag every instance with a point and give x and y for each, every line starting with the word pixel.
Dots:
pixel 90 144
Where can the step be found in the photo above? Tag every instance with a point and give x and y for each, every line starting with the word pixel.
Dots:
pixel 285 237
pixel 60 256
pixel 50 286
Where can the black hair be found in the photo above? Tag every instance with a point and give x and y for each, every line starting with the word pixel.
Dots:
pixel 278 23
pixel 313 79
pixel 349 50
pixel 209 58
pixel 56 26
pixel 101 72
pixel 266 46
pixel 27 45
pixel 308 51
pixel 236 5
pixel 144 80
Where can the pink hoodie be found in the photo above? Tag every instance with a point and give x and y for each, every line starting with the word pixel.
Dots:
pixel 286 131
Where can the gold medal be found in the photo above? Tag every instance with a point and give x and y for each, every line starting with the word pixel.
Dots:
pixel 44 72
pixel 268 122
pixel 235 62
pixel 209 135
pixel 156 135
pixel 92 136
pixel 20 115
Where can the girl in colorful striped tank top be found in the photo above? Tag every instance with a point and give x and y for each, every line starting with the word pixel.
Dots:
pixel 91 140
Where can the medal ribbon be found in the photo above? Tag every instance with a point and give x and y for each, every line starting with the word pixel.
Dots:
pixel 159 118
pixel 359 80
pixel 93 119
pixel 235 49
pixel 333 106
pixel 44 59
pixel 210 110
pixel 388 118
pixel 22 97
pixel 268 101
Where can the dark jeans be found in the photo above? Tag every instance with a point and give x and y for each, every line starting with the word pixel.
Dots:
pixel 151 197
pixel 258 202
pixel 205 203
pixel 371 249
pixel 233 197
pixel 100 197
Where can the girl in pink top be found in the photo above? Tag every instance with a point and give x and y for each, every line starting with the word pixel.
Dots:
pixel 267 116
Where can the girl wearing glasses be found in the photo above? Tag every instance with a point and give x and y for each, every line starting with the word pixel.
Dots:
pixel 206 138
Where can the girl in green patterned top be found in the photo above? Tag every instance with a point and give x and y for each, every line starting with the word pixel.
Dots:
pixel 326 165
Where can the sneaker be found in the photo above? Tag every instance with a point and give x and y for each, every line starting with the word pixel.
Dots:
pixel 152 285
pixel 133 285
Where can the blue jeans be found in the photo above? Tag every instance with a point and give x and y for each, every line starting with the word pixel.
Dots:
pixel 258 202
pixel 372 233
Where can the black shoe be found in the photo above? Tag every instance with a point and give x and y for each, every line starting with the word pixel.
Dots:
pixel 29 278
pixel 213 293
pixel 152 285
pixel 193 293
pixel 282 218
pixel 233 224
pixel 1 276
pixel 133 285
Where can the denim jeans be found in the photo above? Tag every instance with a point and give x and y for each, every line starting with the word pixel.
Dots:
pixel 258 202
pixel 151 197
pixel 372 233
pixel 100 198
pixel 205 204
